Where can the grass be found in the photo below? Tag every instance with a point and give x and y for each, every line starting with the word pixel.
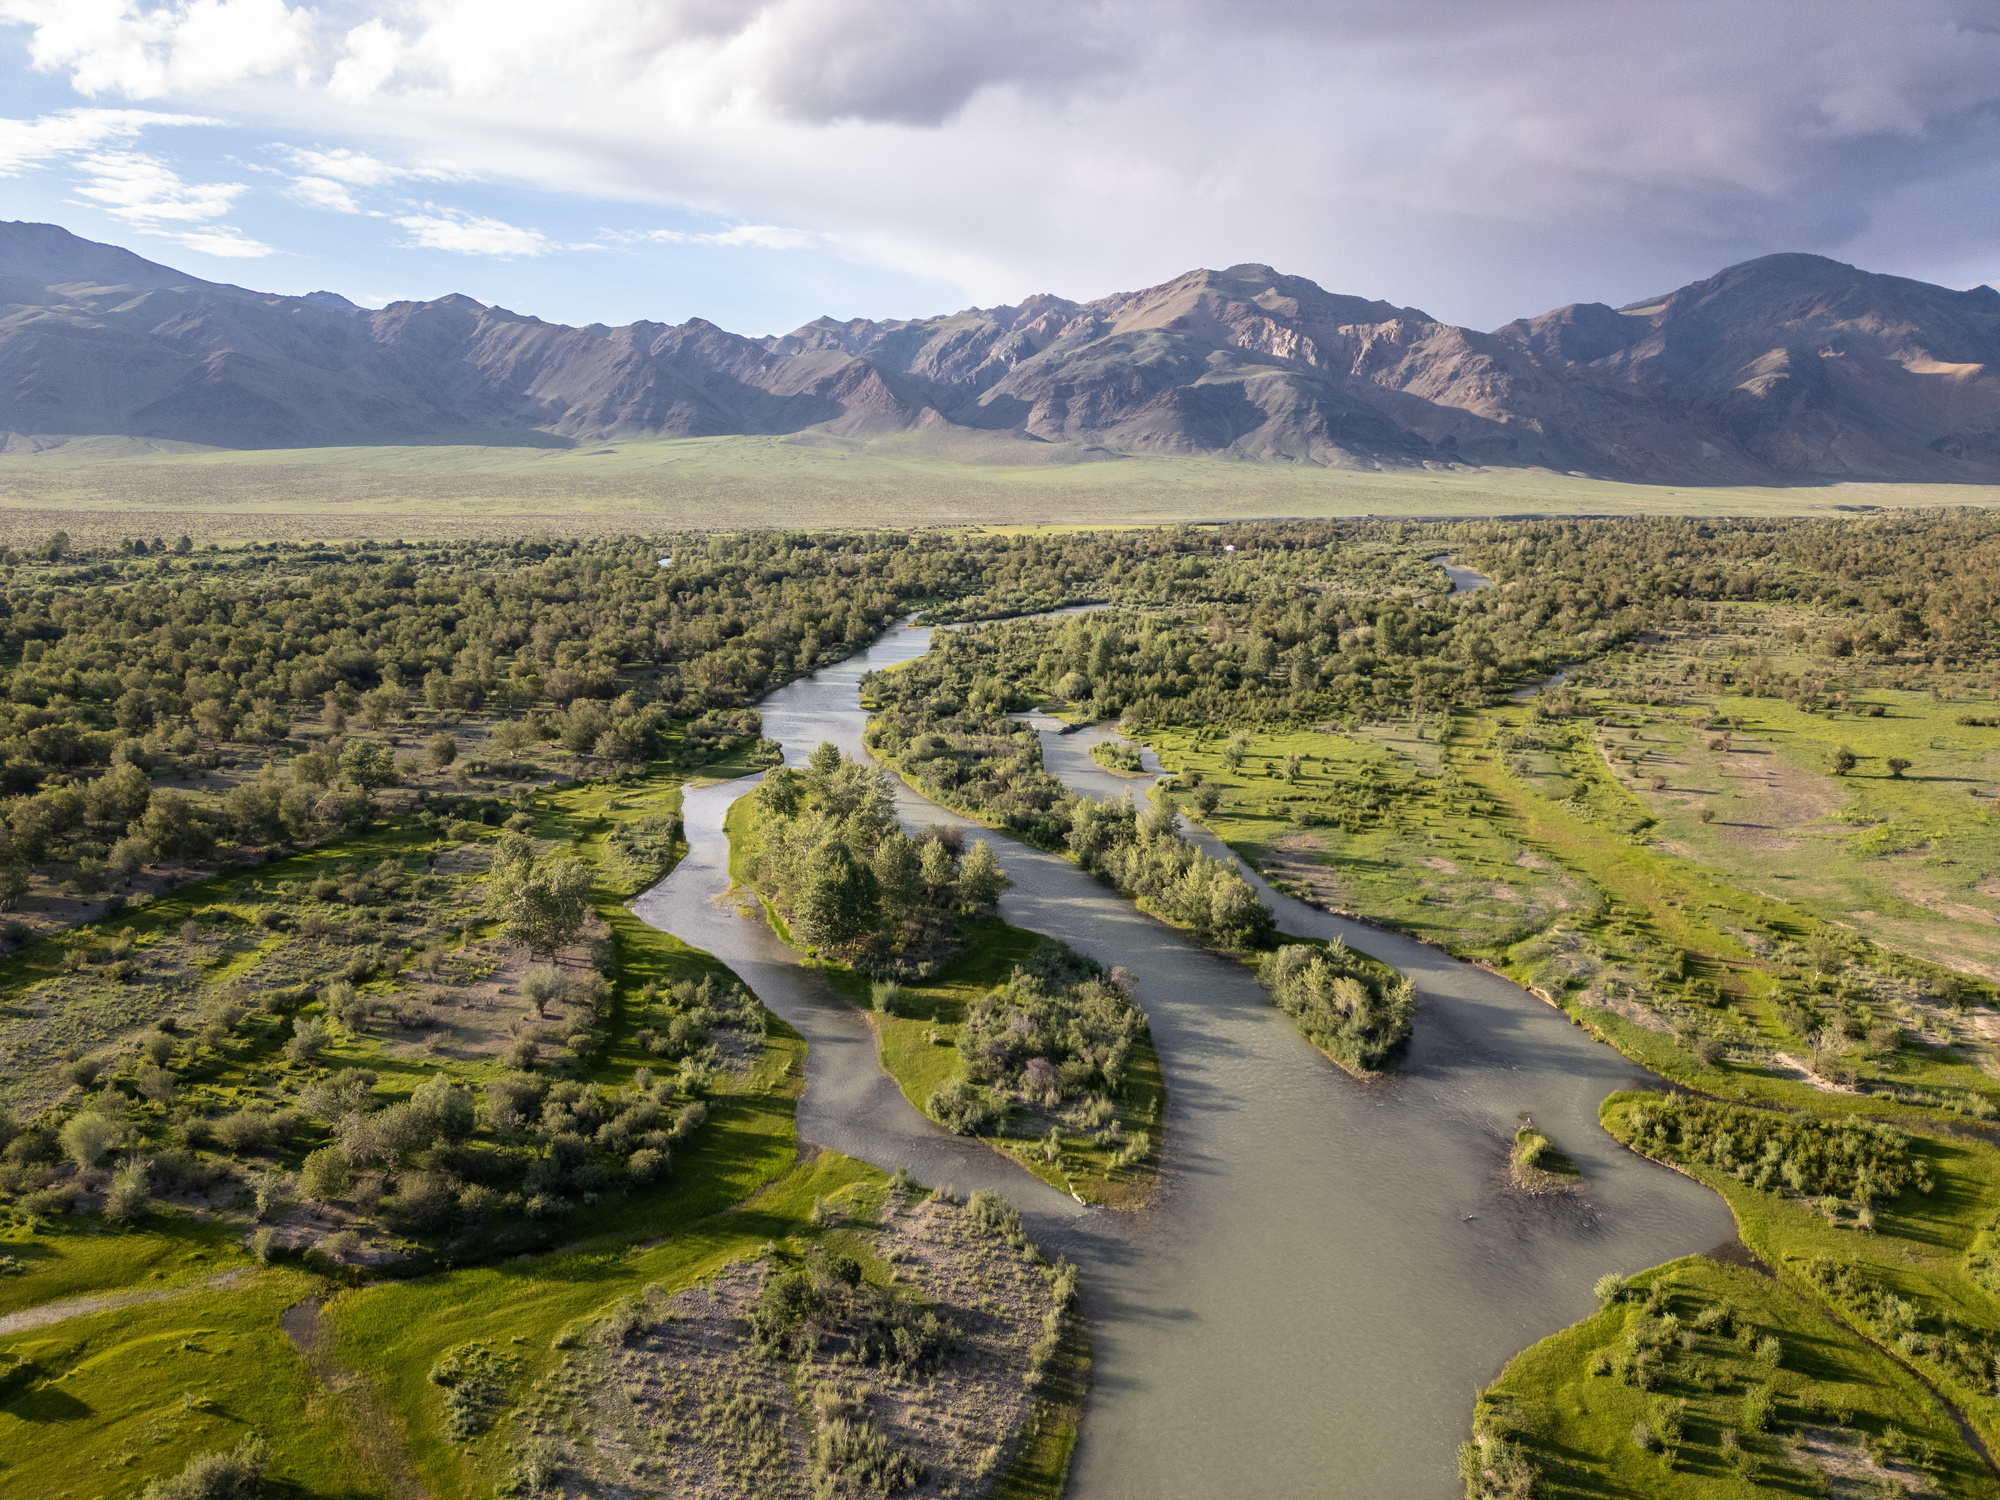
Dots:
pixel 104 488
pixel 1920 1250
pixel 1578 1427
pixel 131 1395
pixel 393 1334
pixel 79 1257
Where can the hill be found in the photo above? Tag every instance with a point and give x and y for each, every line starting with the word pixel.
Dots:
pixel 1784 369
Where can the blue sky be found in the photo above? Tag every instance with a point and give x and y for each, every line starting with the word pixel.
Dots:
pixel 762 162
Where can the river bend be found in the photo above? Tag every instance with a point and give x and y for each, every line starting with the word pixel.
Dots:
pixel 1330 1267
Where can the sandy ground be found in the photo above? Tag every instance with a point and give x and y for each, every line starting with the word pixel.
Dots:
pixel 685 1409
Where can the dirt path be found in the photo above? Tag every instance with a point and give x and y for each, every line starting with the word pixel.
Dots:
pixel 377 1438
pixel 81 1307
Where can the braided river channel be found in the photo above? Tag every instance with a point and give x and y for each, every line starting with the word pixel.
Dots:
pixel 1330 1268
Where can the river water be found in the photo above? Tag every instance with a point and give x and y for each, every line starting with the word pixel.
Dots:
pixel 1330 1267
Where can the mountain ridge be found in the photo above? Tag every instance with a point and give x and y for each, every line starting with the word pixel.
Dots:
pixel 1787 367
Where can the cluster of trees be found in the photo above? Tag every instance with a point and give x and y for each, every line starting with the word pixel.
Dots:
pixel 1858 1161
pixel 849 881
pixel 952 738
pixel 1345 1006
pixel 1058 1029
pixel 1927 582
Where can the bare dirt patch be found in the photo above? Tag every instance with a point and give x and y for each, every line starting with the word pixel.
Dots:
pixel 1291 858
pixel 1441 865
pixel 684 1405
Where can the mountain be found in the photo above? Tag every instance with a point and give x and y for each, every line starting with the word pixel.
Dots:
pixel 1786 367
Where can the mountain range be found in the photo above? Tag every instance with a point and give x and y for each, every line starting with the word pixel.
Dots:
pixel 1785 368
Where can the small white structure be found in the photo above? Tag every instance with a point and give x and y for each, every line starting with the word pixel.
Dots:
pixel 666 562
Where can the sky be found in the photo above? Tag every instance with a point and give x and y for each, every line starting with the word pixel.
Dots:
pixel 760 163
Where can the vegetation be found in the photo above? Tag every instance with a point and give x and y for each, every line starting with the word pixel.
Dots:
pixel 850 883
pixel 1346 1004
pixel 1536 1165
pixel 1698 1380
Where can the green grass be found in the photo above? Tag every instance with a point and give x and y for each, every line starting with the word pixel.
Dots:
pixel 1578 1427
pixel 1415 859
pixel 1919 1250
pixel 102 488
pixel 131 1395
pixel 1906 860
pixel 77 1257
pixel 393 1334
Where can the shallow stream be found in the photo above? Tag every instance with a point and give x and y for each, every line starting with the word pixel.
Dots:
pixel 1330 1267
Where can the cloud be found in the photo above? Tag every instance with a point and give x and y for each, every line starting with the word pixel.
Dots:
pixel 146 51
pixel 30 143
pixel 144 190
pixel 470 234
pixel 322 192
pixel 221 239
pixel 763 236
pixel 359 169
pixel 1481 160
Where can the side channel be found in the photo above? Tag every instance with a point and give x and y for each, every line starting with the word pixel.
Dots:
pixel 1330 1268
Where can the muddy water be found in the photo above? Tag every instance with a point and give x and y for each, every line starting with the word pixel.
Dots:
pixel 1330 1267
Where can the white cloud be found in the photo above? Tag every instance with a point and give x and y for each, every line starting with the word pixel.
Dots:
pixel 30 143
pixel 359 169
pixel 1483 160
pixel 470 234
pixel 763 236
pixel 144 190
pixel 223 240
pixel 322 192
pixel 143 52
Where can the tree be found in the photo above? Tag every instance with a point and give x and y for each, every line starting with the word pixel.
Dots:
pixel 1897 766
pixel 368 764
pixel 1207 799
pixel 1842 760
pixel 980 878
pixel 841 902
pixel 545 910
pixel 440 750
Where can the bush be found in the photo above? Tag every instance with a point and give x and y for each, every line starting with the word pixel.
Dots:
pixel 235 1475
pixel 326 1174
pixel 963 1109
pixel 309 1038
pixel 130 1197
pixel 1339 1005
pixel 88 1138
pixel 1610 1288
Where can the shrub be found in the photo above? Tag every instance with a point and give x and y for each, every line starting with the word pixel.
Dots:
pixel 309 1038
pixel 1610 1288
pixel 130 1197
pixel 88 1138
pixel 962 1109
pixel 1643 1436
pixel 325 1174
pixel 235 1475
pixel 264 1244
pixel 540 985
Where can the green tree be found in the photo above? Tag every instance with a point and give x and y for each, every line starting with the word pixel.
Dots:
pixel 980 878
pixel 841 902
pixel 545 909
pixel 368 765
pixel 1842 760
pixel 440 750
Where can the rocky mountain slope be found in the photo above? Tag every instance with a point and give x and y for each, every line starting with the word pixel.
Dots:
pixel 1787 367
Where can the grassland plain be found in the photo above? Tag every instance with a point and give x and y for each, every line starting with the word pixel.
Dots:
pixel 109 487
pixel 918 1044
pixel 1744 1387
pixel 1589 906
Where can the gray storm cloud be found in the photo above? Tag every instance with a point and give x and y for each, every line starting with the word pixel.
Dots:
pixel 1480 160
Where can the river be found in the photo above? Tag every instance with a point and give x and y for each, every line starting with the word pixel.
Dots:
pixel 1330 1267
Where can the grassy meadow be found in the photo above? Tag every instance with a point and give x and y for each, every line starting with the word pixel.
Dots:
pixel 1706 1381
pixel 104 488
